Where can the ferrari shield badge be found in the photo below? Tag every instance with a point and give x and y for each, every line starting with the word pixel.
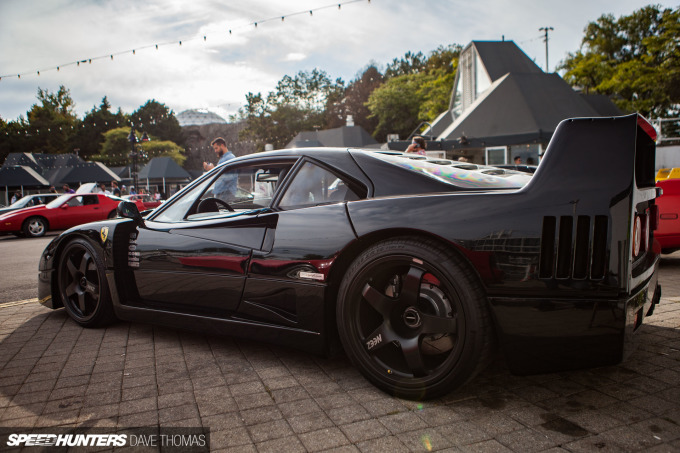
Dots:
pixel 104 233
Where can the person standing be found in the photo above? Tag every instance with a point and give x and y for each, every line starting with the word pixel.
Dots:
pixel 67 189
pixel 225 186
pixel 114 189
pixel 223 153
pixel 417 146
pixel 16 197
pixel 102 189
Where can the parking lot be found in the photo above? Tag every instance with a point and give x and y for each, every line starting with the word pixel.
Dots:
pixel 260 397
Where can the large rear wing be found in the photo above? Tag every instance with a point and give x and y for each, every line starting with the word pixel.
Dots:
pixel 602 170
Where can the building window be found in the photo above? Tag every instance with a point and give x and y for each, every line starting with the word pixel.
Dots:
pixel 471 81
pixel 498 155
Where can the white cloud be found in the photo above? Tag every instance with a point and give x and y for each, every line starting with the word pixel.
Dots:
pixel 295 56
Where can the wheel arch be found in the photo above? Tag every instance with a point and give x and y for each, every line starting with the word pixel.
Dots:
pixel 353 250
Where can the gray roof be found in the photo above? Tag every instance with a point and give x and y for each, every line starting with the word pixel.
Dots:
pixel 81 173
pixel 501 57
pixel 520 104
pixel 163 168
pixel 341 137
pixel 22 159
pixel 19 175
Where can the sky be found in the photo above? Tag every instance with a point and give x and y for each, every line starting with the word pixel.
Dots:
pixel 223 55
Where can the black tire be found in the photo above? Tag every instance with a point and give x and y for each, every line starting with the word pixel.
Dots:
pixel 83 286
pixel 113 214
pixel 35 227
pixel 414 319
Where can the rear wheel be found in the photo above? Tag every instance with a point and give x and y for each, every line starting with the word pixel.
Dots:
pixel 35 227
pixel 113 214
pixel 414 318
pixel 83 286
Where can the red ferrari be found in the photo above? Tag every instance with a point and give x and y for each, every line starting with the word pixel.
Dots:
pixel 668 233
pixel 64 212
pixel 147 200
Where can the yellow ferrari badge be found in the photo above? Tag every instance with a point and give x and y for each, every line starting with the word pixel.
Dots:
pixel 104 233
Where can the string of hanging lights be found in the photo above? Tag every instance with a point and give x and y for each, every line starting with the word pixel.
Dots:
pixel 204 38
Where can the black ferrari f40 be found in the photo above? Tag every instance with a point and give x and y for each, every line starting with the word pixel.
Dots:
pixel 418 269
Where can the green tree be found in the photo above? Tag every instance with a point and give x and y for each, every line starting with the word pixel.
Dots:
pixel 634 59
pixel 353 101
pixel 419 93
pixel 52 123
pixel 157 119
pixel 395 105
pixel 12 137
pixel 410 63
pixel 90 132
pixel 116 149
pixel 298 104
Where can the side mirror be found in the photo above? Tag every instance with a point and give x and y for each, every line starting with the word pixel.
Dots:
pixel 64 206
pixel 129 210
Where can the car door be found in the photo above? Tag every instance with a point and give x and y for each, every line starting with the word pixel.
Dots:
pixel 76 210
pixel 306 231
pixel 192 255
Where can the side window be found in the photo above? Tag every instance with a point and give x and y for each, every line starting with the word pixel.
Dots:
pixel 233 190
pixel 75 201
pixel 313 185
pixel 90 199
pixel 241 188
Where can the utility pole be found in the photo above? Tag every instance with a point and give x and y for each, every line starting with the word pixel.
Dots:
pixel 545 40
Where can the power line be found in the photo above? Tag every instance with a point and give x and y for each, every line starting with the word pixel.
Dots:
pixel 179 42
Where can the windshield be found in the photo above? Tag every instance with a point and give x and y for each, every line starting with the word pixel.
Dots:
pixel 21 202
pixel 58 201
pixel 481 177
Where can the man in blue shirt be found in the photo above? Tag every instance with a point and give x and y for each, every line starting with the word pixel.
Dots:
pixel 225 186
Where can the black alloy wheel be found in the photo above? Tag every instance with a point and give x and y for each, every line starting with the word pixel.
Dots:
pixel 83 286
pixel 414 319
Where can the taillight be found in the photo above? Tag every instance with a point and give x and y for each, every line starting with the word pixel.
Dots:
pixel 654 217
pixel 637 236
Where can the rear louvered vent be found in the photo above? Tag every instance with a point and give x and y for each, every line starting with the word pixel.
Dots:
pixel 573 247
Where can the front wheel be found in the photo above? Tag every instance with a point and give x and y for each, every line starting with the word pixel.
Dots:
pixel 35 227
pixel 83 286
pixel 414 318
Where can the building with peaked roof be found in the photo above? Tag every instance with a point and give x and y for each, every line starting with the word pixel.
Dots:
pixel 344 136
pixel 163 172
pixel 503 105
pixel 52 170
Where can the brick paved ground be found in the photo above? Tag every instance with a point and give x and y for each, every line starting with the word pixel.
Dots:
pixel 257 397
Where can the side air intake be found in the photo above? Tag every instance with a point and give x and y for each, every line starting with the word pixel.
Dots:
pixel 573 247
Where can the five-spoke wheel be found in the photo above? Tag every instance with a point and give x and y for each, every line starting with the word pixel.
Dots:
pixel 413 318
pixel 82 284
pixel 35 227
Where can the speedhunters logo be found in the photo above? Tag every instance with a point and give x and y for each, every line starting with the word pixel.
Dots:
pixel 67 440
pixel 141 439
